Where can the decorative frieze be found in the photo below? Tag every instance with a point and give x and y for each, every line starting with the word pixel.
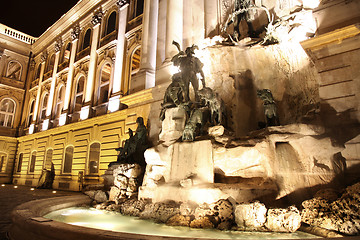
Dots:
pixel 44 56
pixel 121 3
pixel 96 19
pixel 58 44
pixel 75 33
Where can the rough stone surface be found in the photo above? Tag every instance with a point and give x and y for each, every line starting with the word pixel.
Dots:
pixel 114 193
pixel 250 216
pixel 202 222
pixel 100 196
pixel 341 215
pixel 179 220
pixel 159 212
pixel 121 181
pixel 283 220
pixel 173 125
pixel 132 207
pixel 188 208
pixel 216 131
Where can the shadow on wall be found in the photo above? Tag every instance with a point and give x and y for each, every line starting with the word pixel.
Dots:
pixel 340 182
pixel 341 126
pixel 244 115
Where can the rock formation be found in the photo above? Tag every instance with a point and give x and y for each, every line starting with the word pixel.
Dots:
pixel 341 215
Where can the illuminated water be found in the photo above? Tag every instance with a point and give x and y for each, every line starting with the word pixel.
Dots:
pixel 100 219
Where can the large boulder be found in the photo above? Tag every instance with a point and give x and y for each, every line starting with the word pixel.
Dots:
pixel 250 216
pixel 283 220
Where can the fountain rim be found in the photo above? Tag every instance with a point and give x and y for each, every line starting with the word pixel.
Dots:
pixel 28 223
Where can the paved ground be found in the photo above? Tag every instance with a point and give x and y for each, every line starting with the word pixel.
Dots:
pixel 10 197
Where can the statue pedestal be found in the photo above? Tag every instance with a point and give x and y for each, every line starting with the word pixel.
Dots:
pixel 173 125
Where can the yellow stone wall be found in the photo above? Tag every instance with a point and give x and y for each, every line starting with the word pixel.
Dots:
pixel 7 153
pixel 110 130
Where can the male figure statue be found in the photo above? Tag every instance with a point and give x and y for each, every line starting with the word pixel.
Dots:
pixel 189 66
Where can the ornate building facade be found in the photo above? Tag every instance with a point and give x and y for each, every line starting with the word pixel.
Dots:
pixel 68 98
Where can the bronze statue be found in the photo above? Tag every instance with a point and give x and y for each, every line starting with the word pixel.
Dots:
pixel 211 99
pixel 174 95
pixel 196 123
pixel 241 12
pixel 189 66
pixel 135 146
pixel 270 110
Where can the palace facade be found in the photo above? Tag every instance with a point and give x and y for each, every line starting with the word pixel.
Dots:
pixel 68 98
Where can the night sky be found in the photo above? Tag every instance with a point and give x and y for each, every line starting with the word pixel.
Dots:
pixel 33 17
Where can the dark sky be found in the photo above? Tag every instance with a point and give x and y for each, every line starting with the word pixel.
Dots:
pixel 33 17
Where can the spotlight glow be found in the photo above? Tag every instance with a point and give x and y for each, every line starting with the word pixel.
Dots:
pixel 32 189
pixel 53 191
pixel 15 186
pixel 3 185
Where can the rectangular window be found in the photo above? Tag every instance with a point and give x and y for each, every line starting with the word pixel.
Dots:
pixel 2 161
pixel 94 157
pixel 69 152
pixel 32 162
pixel 19 163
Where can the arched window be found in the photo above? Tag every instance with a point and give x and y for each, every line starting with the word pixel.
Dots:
pixel 94 157
pixel 111 23
pixel 19 165
pixel 51 63
pixel 137 8
pixel 2 162
pixel 7 112
pixel 69 152
pixel 135 61
pixel 86 40
pixel 14 70
pixel 103 90
pixel 32 162
pixel 59 101
pixel 31 112
pixel 48 159
pixel 79 93
pixel 43 106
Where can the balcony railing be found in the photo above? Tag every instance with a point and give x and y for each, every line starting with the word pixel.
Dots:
pixel 83 53
pixel 63 65
pixel 108 38
pixel 48 74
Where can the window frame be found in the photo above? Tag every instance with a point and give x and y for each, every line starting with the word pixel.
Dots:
pixel 7 114
pixel 89 159
pixel 32 164
pixel 65 159
pixel 7 70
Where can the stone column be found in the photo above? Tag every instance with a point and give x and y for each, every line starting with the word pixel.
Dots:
pixel 49 109
pixel 114 101
pixel 174 27
pixel 37 101
pixel 75 39
pixel 149 40
pixel 89 90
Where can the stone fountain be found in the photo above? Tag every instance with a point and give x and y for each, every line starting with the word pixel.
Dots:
pixel 242 151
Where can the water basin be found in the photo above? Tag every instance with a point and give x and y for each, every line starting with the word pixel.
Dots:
pixel 105 220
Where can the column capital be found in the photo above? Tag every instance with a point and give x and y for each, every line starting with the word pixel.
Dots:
pixel 58 44
pixel 122 3
pixel 44 56
pixel 75 33
pixel 96 19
